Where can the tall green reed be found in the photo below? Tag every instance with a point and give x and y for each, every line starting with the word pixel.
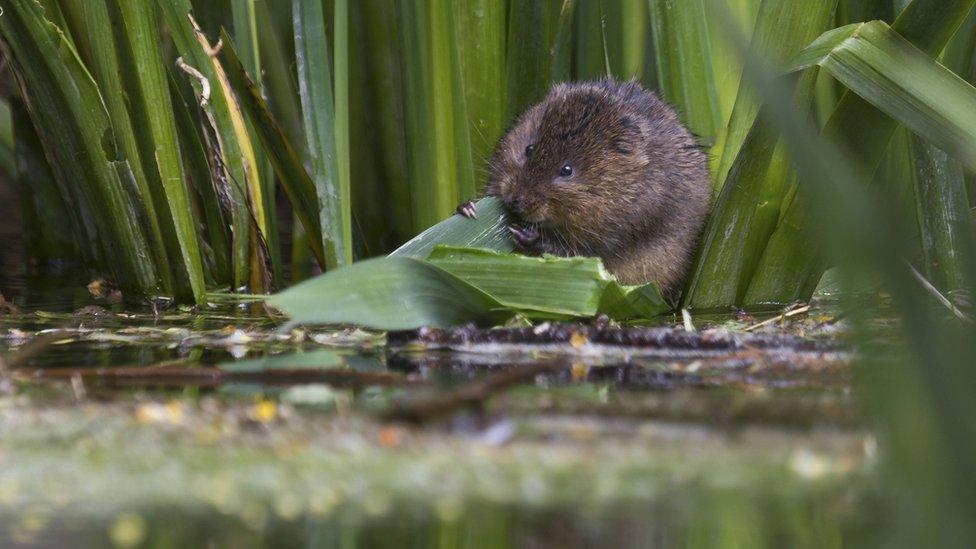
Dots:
pixel 376 118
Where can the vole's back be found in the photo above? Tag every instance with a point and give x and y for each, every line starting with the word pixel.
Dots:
pixel 606 168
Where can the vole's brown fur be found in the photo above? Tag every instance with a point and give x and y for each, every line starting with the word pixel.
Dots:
pixel 638 191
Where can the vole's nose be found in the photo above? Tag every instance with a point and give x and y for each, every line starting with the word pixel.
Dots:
pixel 515 204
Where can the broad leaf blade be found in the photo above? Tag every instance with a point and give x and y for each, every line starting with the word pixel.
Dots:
pixel 560 287
pixel 460 285
pixel 488 230
pixel 389 293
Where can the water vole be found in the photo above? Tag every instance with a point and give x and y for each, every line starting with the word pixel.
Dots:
pixel 605 169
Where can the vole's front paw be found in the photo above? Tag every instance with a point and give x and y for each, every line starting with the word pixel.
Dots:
pixel 467 209
pixel 526 238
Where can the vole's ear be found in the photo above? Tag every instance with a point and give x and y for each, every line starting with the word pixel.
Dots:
pixel 629 136
pixel 631 139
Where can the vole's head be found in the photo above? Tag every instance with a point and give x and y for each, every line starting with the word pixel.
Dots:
pixel 571 161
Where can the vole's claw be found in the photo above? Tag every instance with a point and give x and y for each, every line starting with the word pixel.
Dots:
pixel 525 235
pixel 467 209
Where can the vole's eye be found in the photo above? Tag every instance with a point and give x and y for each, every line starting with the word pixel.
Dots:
pixel 528 150
pixel 566 171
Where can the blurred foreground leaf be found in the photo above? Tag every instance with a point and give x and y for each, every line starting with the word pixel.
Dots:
pixel 919 383
pixel 899 79
pixel 878 60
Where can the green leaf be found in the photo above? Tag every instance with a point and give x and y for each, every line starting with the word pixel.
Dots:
pixel 287 165
pixel 389 293
pixel 921 399
pixel 744 215
pixel 727 64
pixel 782 30
pixel 628 51
pixel 245 26
pixel 942 207
pixel 790 267
pixel 451 135
pixel 459 285
pixel 68 111
pixel 276 46
pixel 106 64
pixel 50 227
pixel 748 205
pixel 589 52
pixel 489 230
pixel 318 113
pixel 198 170
pixel 244 14
pixel 564 287
pixel 561 63
pixel 527 54
pixel 632 302
pixel 481 47
pixel 540 287
pixel 151 109
pixel 383 108
pixel 340 26
pixel 437 136
pixel 902 81
pixel 236 149
pixel 683 59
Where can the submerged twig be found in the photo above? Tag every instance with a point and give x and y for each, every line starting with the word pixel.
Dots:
pixel 929 287
pixel 775 319
pixel 177 376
